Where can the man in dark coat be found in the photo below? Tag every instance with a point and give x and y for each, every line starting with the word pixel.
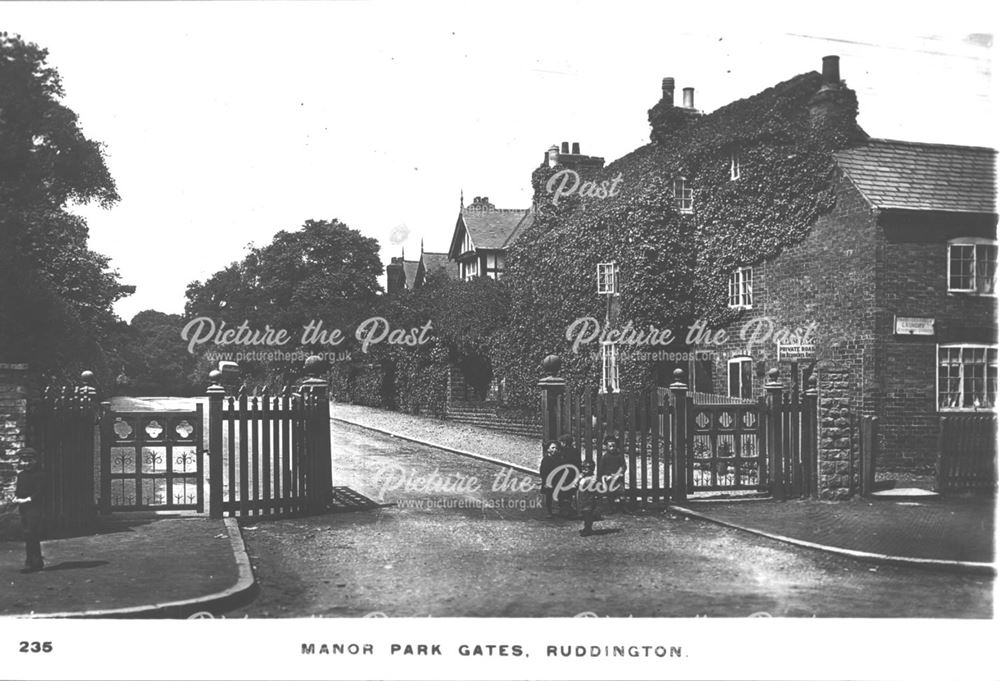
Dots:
pixel 29 496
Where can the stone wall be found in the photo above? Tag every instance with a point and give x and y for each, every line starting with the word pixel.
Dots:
pixel 17 384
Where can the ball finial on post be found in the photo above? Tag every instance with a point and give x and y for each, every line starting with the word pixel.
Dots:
pixel 552 365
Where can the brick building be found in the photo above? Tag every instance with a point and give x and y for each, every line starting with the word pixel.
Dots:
pixel 898 283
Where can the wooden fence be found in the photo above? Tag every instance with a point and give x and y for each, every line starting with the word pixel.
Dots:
pixel 61 426
pixel 967 445
pixel 269 456
pixel 683 443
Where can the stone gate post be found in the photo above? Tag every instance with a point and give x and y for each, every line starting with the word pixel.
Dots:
pixel 775 451
pixel 679 438
pixel 215 393
pixel 553 389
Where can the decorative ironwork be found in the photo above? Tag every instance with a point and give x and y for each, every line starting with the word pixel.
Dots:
pixel 160 467
pixel 184 430
pixel 725 448
pixel 122 429
pixel 153 430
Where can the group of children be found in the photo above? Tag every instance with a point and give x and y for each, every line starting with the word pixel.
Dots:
pixel 566 479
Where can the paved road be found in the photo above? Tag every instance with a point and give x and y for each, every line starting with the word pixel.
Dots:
pixel 467 552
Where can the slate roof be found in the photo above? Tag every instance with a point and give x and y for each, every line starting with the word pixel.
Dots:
pixel 410 272
pixel 491 229
pixel 436 261
pixel 918 176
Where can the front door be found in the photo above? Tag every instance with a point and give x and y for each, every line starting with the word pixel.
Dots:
pixel 152 460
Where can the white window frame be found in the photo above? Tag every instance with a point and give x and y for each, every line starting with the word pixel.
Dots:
pixel 734 165
pixel 609 368
pixel 962 347
pixel 740 360
pixel 975 243
pixel 741 288
pixel 683 200
pixel 607 278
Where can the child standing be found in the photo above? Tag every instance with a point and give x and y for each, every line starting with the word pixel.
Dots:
pixel 587 497
pixel 550 461
pixel 28 495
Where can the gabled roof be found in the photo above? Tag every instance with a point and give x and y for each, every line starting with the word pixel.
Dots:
pixel 918 176
pixel 435 261
pixel 489 229
pixel 410 272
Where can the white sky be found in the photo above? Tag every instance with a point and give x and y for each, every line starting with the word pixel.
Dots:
pixel 226 122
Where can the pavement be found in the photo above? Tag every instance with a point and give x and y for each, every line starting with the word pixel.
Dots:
pixel 118 571
pixel 952 533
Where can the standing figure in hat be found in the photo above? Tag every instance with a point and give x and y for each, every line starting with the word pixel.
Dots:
pixel 29 497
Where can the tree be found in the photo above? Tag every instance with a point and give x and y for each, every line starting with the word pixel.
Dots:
pixel 56 304
pixel 324 273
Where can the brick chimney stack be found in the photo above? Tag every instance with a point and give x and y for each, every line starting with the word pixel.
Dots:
pixel 664 118
pixel 668 91
pixel 833 110
pixel 574 160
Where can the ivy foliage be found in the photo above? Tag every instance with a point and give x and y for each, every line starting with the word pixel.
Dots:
pixel 674 268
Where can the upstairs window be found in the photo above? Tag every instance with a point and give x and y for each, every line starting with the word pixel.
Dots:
pixel 972 266
pixel 734 165
pixel 683 196
pixel 741 288
pixel 607 278
pixel 967 377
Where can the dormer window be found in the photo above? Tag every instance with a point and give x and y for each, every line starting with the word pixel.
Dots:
pixel 607 278
pixel 972 266
pixel 734 165
pixel 741 288
pixel 683 196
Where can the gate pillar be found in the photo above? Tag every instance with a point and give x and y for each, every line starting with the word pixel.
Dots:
pixel 318 449
pixel 679 438
pixel 553 388
pixel 215 394
pixel 776 472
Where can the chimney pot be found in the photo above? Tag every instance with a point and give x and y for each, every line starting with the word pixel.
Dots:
pixel 668 90
pixel 565 147
pixel 831 71
pixel 689 98
pixel 576 147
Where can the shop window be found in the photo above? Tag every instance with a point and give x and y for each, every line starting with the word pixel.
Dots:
pixel 967 377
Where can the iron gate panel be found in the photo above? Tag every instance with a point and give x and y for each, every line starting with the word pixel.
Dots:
pixel 725 449
pixel 152 460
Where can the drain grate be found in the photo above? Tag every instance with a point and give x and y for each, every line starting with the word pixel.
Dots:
pixel 346 499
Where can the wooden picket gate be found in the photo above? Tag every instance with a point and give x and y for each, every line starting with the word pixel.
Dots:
pixel 968 453
pixel 61 426
pixel 269 456
pixel 677 444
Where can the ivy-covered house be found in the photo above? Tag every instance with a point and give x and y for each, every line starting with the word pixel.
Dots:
pixel 754 222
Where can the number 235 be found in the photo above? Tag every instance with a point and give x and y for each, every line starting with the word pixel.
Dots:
pixel 36 647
